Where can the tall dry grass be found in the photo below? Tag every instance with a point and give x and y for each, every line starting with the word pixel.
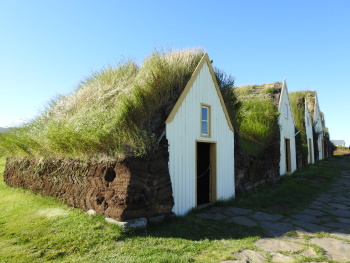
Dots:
pixel 109 113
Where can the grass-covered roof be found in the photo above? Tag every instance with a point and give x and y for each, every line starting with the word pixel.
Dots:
pixel 258 115
pixel 117 111
pixel 297 101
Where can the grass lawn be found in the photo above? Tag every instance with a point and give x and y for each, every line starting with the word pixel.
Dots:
pixel 34 228
pixel 293 193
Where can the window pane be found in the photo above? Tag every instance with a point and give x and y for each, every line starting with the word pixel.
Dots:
pixel 204 113
pixel 205 128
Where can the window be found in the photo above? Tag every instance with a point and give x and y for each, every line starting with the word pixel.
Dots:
pixel 205 121
pixel 286 110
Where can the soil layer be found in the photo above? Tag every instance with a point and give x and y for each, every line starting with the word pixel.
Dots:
pixel 133 188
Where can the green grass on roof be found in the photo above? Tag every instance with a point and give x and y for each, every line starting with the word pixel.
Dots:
pixel 297 101
pixel 258 116
pixel 110 113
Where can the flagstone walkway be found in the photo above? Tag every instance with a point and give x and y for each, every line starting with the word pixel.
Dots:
pixel 320 232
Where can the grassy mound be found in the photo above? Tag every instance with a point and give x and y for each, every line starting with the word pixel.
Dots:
pixel 297 101
pixel 118 111
pixel 258 115
pixel 110 113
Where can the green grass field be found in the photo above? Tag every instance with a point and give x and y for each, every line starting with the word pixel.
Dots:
pixel 293 193
pixel 34 228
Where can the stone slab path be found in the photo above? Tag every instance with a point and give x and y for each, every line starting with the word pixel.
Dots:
pixel 321 233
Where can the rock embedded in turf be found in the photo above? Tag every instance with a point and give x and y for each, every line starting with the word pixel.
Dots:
pixel 275 245
pixel 280 258
pixel 337 250
pixel 276 229
pixel 248 255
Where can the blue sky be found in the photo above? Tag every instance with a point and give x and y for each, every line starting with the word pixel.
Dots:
pixel 47 47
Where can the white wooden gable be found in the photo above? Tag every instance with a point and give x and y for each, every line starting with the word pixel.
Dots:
pixel 318 127
pixel 183 131
pixel 309 134
pixel 287 131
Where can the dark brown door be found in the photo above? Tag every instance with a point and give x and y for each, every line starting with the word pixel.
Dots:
pixel 206 173
pixel 288 156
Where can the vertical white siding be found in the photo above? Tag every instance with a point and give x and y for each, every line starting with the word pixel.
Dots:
pixel 287 131
pixel 183 132
pixel 309 135
pixel 318 127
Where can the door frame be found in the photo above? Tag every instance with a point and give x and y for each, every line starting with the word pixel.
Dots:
pixel 213 170
pixel 288 155
pixel 310 151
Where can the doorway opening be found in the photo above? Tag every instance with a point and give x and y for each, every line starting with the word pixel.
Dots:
pixel 310 151
pixel 288 156
pixel 322 143
pixel 206 177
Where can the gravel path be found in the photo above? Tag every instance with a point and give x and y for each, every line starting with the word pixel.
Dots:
pixel 320 233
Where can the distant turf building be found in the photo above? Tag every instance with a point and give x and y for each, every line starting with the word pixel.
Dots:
pixel 287 133
pixel 319 124
pixel 302 102
pixel 266 146
pixel 338 142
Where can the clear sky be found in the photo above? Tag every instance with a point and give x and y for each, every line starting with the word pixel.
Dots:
pixel 47 47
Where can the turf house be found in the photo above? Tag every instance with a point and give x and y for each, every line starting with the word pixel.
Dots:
pixel 288 162
pixel 132 141
pixel 321 142
pixel 318 119
pixel 301 102
pixel 266 144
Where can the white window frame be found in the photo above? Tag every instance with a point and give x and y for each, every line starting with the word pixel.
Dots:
pixel 286 111
pixel 207 120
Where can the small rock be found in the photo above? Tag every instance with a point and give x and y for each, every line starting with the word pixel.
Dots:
pixel 133 223
pixel 137 223
pixel 113 221
pixel 91 212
